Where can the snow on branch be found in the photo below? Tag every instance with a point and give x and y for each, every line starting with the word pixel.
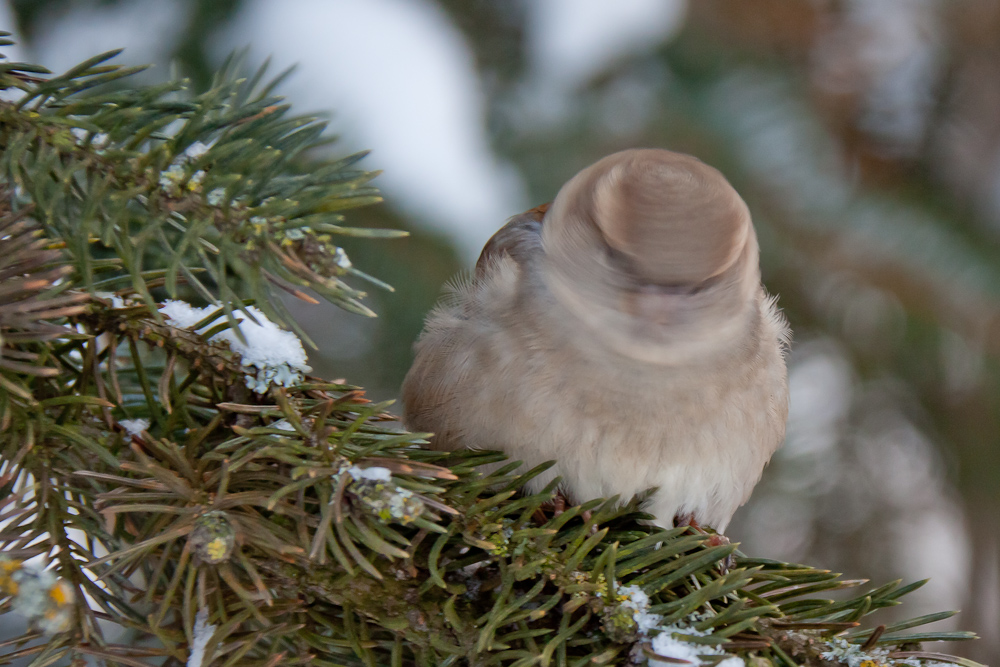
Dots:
pixel 270 354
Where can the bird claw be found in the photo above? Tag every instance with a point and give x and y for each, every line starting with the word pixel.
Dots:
pixel 727 563
pixel 558 505
pixel 714 539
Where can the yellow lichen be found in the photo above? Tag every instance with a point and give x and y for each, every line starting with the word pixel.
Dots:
pixel 61 594
pixel 7 569
pixel 216 549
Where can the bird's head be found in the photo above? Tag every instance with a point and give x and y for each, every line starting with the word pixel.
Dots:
pixel 655 251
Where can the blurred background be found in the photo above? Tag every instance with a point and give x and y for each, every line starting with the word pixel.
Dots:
pixel 864 135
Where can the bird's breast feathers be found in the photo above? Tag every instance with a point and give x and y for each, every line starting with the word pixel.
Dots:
pixel 622 332
pixel 535 389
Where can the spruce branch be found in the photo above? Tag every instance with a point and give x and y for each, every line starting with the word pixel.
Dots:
pixel 215 189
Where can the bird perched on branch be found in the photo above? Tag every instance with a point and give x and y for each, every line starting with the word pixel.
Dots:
pixel 623 332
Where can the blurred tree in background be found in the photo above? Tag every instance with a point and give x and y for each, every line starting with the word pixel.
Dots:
pixel 865 136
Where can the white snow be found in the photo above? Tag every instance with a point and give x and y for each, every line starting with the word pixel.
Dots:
pixel 98 141
pixel 374 473
pixel 668 646
pixel 202 634
pixel 664 644
pixel 276 355
pixel 116 301
pixel 181 314
pixel 731 662
pixel 173 175
pixel 195 150
pixel 638 602
pixel 842 651
pixel 216 196
pixel 134 426
pixel 340 259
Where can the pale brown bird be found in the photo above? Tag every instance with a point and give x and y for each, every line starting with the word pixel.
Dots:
pixel 623 332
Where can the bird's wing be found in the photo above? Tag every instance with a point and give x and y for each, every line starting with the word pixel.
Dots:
pixel 453 335
pixel 517 239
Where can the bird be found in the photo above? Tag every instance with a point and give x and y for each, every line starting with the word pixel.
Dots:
pixel 623 332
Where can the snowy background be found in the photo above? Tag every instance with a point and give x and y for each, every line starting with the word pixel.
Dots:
pixel 865 136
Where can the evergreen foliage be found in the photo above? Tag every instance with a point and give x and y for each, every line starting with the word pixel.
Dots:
pixel 199 510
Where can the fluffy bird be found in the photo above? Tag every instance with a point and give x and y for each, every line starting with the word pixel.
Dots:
pixel 623 332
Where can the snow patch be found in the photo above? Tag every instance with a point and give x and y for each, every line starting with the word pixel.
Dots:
pixel 202 635
pixel 637 600
pixel 134 427
pixel 375 473
pixel 270 354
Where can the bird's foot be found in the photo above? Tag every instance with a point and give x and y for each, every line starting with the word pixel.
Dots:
pixel 687 520
pixel 556 506
pixel 714 539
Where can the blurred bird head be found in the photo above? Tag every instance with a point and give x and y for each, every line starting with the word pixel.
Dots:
pixel 655 251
